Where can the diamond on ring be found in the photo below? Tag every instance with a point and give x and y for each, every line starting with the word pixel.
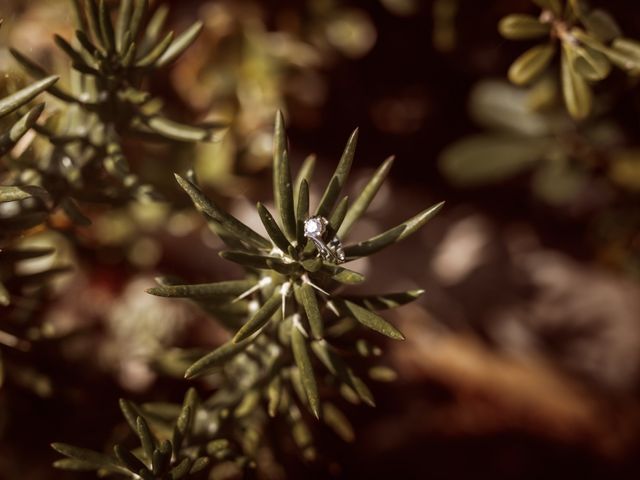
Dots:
pixel 315 229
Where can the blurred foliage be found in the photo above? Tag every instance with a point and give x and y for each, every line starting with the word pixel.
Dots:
pixel 586 169
pixel 590 43
pixel 169 446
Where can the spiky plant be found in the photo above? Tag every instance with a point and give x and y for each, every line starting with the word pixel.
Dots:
pixel 288 305
pixel 111 65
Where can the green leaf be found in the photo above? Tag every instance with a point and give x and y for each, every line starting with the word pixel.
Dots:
pixel 106 27
pixel 183 133
pixel 625 54
pixel 271 226
pixel 98 460
pixel 366 197
pixel 25 95
pixel 128 459
pixel 261 318
pixel 217 358
pixel 522 27
pixel 385 301
pixel 22 126
pixel 228 222
pixel 344 275
pixel 139 9
pixel 130 413
pixel 332 361
pixel 13 193
pixel 282 188
pixel 485 159
pixel 558 182
pixel 305 173
pixel 338 422
pixel 155 25
pixel 75 465
pixel 591 64
pixel 393 235
pixel 218 290
pixel 87 44
pixel 5 299
pixel 37 71
pixel 199 464
pixel 576 92
pixel 302 212
pixel 41 277
pixel 181 429
pixel 528 66
pixel 93 20
pixel 627 45
pixel 337 217
pixel 303 362
pixel 339 178
pixel 309 302
pixel 367 318
pixel 274 394
pixel 180 44
pixel 147 438
pixel 601 25
pixel 180 470
pixel 123 21
pixel 72 53
pixel 162 457
pixel 250 260
pixel 156 52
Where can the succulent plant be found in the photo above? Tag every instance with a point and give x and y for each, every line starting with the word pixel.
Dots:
pixel 590 43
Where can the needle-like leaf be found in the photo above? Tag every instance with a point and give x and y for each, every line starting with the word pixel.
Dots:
pixel 366 197
pixel 230 223
pixel 180 44
pixel 393 235
pixel 303 362
pixel 260 319
pixel 337 182
pixel 273 229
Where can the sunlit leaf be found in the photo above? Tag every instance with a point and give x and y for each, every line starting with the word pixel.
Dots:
pixel 339 178
pixel 282 187
pixel 365 198
pixel 577 93
pixel 377 243
pixel 230 223
pixel 531 64
pixel 522 27
pixel 485 159
pixel 217 290
pixel 367 318
pixel 213 360
pixel 307 298
pixel 25 95
pixel 180 44
pixel 260 318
